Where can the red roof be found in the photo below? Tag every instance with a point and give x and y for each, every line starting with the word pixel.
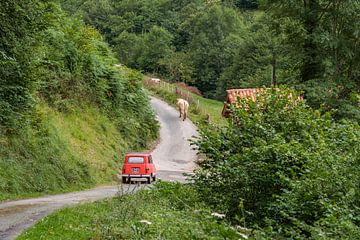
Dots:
pixel 233 94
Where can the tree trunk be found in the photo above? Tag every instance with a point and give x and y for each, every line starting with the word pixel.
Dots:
pixel 273 75
pixel 311 67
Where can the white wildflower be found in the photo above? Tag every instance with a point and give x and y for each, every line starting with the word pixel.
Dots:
pixel 218 215
pixel 146 222
pixel 243 236
pixel 242 229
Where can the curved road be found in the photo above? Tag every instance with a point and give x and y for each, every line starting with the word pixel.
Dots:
pixel 173 156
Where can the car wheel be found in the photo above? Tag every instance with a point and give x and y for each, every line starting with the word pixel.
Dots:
pixel 124 180
pixel 149 180
pixel 154 178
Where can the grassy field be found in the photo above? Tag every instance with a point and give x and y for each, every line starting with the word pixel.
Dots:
pixel 202 110
pixel 168 211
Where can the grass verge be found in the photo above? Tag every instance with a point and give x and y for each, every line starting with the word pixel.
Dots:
pixel 168 211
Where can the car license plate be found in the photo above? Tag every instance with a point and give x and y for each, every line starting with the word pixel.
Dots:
pixel 136 169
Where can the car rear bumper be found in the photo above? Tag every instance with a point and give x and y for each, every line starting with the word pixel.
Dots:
pixel 137 175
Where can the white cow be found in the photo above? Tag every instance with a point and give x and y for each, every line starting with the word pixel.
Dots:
pixel 155 80
pixel 183 106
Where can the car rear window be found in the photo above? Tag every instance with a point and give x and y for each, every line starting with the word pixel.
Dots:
pixel 136 160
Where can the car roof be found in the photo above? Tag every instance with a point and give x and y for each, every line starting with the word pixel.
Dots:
pixel 137 154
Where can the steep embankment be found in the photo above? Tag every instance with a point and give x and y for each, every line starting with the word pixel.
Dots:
pixel 70 151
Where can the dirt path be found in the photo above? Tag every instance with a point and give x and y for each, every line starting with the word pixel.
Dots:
pixel 173 156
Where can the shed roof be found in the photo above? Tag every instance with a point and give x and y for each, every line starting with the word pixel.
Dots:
pixel 250 93
pixel 233 94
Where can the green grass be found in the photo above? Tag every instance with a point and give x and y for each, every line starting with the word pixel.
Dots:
pixel 60 152
pixel 200 107
pixel 171 211
pixel 212 107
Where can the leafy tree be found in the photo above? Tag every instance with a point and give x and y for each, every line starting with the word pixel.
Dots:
pixel 209 35
pixel 178 66
pixel 258 58
pixel 243 4
pixel 157 45
pixel 325 35
pixel 128 47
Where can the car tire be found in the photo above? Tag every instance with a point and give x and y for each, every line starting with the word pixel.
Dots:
pixel 154 178
pixel 124 180
pixel 149 180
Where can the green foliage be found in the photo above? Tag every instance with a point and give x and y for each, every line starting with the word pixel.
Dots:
pixel 167 211
pixel 50 59
pixel 310 45
pixel 253 59
pixel 212 36
pixel 19 22
pixel 139 125
pixel 128 48
pixel 178 67
pixel 157 45
pixel 283 168
pixel 324 36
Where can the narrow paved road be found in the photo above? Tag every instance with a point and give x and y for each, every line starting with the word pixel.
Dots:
pixel 173 157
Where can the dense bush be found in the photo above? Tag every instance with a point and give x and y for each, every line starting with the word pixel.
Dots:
pixel 19 23
pixel 284 169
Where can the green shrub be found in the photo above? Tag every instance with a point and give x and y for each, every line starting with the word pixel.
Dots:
pixel 283 167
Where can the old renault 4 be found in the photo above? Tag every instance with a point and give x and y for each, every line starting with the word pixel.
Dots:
pixel 140 166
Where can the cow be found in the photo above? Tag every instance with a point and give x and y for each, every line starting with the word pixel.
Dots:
pixel 155 80
pixel 183 106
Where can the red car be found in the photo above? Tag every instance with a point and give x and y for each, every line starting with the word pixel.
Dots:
pixel 138 165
